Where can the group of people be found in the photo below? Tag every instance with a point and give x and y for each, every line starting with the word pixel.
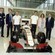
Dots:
pixel 13 21
pixel 41 23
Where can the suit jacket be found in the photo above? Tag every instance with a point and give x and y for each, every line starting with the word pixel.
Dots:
pixel 7 19
pixel 2 17
pixel 50 23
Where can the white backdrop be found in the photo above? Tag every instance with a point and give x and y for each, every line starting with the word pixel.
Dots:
pixel 53 31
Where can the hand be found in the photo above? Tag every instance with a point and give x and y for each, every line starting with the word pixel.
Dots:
pixel 6 24
pixel 37 26
pixel 30 26
pixel 44 27
pixel 12 24
pixel 13 28
pixel 51 28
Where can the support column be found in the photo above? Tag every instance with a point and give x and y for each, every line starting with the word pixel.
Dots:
pixel 5 10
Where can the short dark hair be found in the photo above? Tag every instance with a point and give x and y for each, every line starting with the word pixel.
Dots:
pixel 9 9
pixel 16 11
pixel 35 11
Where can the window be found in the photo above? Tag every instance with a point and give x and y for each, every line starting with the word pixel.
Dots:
pixel 8 3
pixel 42 5
pixel 5 2
pixel 0 2
pixel 51 1
pixel 45 4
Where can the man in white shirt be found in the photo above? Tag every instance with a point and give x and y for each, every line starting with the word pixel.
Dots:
pixel 33 20
pixel 16 22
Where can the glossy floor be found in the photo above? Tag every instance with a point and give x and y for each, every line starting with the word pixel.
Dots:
pixel 4 42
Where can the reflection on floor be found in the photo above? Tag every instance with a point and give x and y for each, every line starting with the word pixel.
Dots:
pixel 4 42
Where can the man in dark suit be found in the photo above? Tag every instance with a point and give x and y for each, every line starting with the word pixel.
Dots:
pixel 9 21
pixel 49 26
pixel 2 17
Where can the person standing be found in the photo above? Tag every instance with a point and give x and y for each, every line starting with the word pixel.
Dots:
pixel 41 23
pixel 49 26
pixel 33 21
pixel 9 21
pixel 2 17
pixel 16 22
